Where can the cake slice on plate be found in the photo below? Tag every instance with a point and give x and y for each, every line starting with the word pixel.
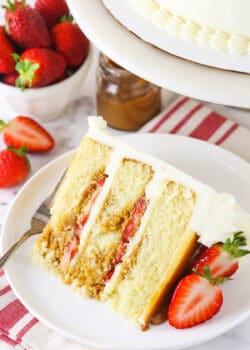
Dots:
pixel 125 225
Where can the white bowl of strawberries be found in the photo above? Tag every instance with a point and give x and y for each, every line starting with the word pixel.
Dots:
pixel 44 58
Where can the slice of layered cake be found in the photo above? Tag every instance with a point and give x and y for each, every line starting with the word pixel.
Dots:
pixel 125 225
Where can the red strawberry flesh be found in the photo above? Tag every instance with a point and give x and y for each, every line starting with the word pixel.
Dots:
pixel 222 258
pixel 70 252
pixel 128 232
pixel 24 131
pixel 194 301
pixel 219 261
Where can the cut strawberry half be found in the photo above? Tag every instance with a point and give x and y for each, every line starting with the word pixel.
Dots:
pixel 26 132
pixel 196 299
pixel 222 258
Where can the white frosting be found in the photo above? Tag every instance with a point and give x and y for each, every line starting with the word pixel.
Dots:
pixel 97 122
pixel 230 16
pixel 215 217
pixel 221 25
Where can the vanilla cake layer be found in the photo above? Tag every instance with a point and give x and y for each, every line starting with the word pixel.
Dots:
pixel 157 258
pixel 72 200
pixel 100 245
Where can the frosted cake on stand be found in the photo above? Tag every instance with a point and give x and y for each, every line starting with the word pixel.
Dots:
pixel 215 33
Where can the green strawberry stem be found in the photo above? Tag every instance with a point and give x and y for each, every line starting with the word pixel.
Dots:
pixel 67 18
pixel 12 5
pixel 233 246
pixel 207 274
pixel 19 151
pixel 2 125
pixel 26 70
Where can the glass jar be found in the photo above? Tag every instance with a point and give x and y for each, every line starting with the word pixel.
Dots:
pixel 124 100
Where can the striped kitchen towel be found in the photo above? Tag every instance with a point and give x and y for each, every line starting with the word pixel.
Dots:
pixel 189 117
pixel 184 116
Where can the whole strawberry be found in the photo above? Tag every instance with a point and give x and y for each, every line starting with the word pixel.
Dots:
pixel 70 41
pixel 26 132
pixel 14 167
pixel 39 67
pixel 7 62
pixel 52 10
pixel 26 26
pixel 10 78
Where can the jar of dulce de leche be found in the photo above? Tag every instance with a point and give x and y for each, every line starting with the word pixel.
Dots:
pixel 124 100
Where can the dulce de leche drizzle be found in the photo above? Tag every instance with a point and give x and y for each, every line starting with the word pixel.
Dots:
pixel 124 100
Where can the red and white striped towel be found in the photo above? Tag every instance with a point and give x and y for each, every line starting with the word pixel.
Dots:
pixel 189 117
pixel 184 116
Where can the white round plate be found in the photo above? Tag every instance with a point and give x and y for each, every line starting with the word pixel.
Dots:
pixel 163 69
pixel 92 323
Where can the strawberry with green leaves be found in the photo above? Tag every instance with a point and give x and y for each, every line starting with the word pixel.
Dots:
pixel 7 62
pixel 14 167
pixel 39 67
pixel 222 258
pixel 70 41
pixel 25 25
pixel 196 299
pixel 26 132
pixel 52 10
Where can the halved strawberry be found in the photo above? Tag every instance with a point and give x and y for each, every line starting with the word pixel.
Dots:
pixel 196 299
pixel 222 258
pixel 26 132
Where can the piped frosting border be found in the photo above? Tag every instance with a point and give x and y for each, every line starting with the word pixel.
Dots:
pixel 190 30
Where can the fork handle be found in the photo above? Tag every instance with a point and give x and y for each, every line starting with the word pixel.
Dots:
pixel 12 249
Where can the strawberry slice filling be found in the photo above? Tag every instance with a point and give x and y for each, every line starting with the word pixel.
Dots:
pixel 128 233
pixel 69 253
pixel 72 247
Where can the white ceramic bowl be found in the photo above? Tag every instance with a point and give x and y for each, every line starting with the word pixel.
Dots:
pixel 45 103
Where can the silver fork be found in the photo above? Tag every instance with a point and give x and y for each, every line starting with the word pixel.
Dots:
pixel 38 221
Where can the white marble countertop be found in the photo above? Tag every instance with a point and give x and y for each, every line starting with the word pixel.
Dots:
pixel 68 130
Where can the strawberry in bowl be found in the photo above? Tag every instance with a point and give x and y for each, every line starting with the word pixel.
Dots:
pixel 36 67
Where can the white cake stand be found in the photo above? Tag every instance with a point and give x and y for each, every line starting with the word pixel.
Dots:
pixel 165 70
